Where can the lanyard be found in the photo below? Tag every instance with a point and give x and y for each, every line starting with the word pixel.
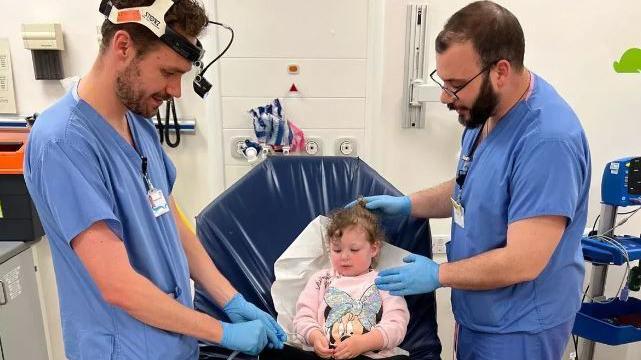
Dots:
pixel 467 161
pixel 146 179
pixel 145 174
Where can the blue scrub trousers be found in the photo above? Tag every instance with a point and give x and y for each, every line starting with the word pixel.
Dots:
pixel 546 345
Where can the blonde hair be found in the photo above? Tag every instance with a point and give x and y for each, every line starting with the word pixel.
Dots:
pixel 344 218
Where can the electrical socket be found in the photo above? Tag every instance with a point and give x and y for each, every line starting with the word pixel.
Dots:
pixel 438 244
pixel 346 146
pixel 438 249
pixel 236 149
pixel 313 146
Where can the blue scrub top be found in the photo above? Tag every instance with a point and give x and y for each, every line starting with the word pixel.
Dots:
pixel 79 170
pixel 535 162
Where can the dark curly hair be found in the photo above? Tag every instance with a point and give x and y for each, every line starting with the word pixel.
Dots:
pixel 186 16
pixel 344 218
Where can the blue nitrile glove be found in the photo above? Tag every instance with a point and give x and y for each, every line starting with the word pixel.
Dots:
pixel 248 337
pixel 387 204
pixel 419 276
pixel 238 309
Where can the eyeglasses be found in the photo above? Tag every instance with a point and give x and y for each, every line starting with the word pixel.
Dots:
pixel 453 92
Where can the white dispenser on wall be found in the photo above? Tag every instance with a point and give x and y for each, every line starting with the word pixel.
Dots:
pixel 45 42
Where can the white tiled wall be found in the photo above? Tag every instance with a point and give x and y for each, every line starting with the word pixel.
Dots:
pixel 329 45
pixel 327 78
pixel 313 29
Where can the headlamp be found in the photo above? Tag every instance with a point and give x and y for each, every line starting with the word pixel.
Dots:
pixel 153 18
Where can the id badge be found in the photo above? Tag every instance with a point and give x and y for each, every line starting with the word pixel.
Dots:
pixel 157 201
pixel 459 213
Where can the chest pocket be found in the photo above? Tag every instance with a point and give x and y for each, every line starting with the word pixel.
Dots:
pixel 486 198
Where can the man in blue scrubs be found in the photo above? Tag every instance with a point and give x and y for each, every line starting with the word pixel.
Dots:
pixel 102 185
pixel 518 201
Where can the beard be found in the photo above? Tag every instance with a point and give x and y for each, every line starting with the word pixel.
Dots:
pixel 131 95
pixel 483 107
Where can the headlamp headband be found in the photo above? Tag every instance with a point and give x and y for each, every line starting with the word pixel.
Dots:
pixel 153 18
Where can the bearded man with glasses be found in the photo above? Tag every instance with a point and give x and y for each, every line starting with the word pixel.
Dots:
pixel 518 200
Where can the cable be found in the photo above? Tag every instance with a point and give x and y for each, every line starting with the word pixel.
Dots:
pixel 621 213
pixel 164 128
pixel 201 86
pixel 160 126
pixel 585 293
pixel 200 83
pixel 621 248
pixel 617 245
pixel 632 213
pixel 231 40
pixel 629 212
pixel 595 222
pixel 171 110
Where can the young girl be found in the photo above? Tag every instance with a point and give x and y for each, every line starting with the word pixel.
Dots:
pixel 341 313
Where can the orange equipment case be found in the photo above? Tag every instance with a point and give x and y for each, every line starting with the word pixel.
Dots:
pixel 18 217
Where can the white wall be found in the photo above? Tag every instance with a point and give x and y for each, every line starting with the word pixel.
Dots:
pixel 328 42
pixel 571 44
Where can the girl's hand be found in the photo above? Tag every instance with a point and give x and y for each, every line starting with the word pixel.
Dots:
pixel 321 345
pixel 351 347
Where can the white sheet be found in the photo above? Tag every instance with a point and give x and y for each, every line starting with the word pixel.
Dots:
pixel 305 256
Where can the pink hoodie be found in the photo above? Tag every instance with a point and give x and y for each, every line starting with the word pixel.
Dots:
pixel 361 294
